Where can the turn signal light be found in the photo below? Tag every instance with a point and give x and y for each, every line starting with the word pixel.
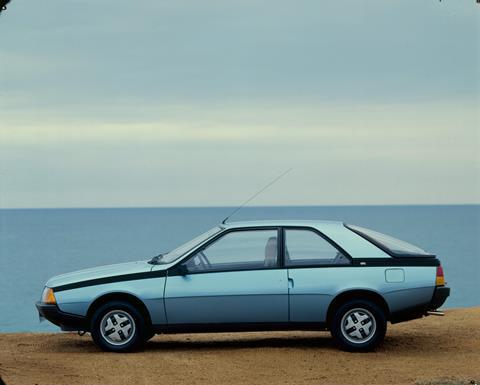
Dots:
pixel 48 297
pixel 440 278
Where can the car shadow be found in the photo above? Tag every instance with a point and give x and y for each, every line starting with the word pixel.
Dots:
pixel 393 344
pixel 322 342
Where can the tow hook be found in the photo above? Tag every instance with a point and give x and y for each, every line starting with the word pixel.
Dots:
pixel 436 312
pixel 81 333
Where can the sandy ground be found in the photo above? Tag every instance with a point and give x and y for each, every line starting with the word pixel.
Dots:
pixel 433 350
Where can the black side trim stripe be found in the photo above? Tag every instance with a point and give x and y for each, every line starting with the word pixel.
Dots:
pixel 400 262
pixel 366 262
pixel 117 278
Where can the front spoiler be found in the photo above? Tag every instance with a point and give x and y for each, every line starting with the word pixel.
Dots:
pixel 66 321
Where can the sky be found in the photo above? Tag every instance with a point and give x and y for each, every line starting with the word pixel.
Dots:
pixel 201 103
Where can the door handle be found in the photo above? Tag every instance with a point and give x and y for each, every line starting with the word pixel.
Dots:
pixel 290 283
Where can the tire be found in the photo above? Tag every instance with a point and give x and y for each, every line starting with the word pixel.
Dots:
pixel 118 326
pixel 358 326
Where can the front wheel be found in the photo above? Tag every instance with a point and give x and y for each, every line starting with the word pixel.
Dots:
pixel 358 325
pixel 118 326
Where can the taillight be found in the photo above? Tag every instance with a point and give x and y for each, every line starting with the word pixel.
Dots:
pixel 440 278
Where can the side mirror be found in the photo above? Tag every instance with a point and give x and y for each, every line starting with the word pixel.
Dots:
pixel 181 269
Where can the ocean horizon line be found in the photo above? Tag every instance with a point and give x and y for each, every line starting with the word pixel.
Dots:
pixel 234 206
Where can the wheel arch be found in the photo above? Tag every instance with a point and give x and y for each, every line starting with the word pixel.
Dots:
pixel 353 294
pixel 120 296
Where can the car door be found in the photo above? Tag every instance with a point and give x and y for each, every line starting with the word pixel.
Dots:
pixel 236 278
pixel 315 268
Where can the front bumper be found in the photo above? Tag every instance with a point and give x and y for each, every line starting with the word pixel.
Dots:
pixel 440 295
pixel 66 321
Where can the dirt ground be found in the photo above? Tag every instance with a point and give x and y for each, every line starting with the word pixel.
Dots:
pixel 433 350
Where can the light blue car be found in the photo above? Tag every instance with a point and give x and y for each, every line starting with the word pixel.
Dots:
pixel 262 275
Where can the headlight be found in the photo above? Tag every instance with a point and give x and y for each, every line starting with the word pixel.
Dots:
pixel 48 297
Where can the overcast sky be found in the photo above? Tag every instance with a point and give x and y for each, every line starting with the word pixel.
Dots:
pixel 196 103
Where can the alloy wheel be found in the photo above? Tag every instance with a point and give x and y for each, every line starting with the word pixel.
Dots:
pixel 358 325
pixel 117 327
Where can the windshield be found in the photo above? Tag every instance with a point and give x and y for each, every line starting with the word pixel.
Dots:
pixel 186 247
pixel 386 242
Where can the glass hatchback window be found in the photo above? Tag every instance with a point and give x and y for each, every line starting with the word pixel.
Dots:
pixel 237 250
pixel 390 244
pixel 306 247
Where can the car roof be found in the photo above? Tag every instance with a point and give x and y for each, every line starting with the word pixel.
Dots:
pixel 319 224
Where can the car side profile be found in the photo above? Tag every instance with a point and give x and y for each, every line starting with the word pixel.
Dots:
pixel 246 276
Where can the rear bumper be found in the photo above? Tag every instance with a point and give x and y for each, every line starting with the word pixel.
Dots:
pixel 66 321
pixel 440 295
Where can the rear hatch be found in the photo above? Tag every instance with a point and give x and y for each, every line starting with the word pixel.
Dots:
pixel 404 253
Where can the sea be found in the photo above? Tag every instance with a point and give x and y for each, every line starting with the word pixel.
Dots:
pixel 36 244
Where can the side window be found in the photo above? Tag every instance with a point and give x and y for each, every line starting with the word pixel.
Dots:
pixel 306 247
pixel 237 250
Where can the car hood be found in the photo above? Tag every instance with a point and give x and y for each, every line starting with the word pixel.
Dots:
pixel 99 272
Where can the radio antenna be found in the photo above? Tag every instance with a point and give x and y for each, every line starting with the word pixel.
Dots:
pixel 256 194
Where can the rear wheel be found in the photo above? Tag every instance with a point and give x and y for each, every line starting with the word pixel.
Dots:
pixel 358 325
pixel 118 326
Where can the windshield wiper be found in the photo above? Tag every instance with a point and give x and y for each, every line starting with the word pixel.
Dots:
pixel 156 259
